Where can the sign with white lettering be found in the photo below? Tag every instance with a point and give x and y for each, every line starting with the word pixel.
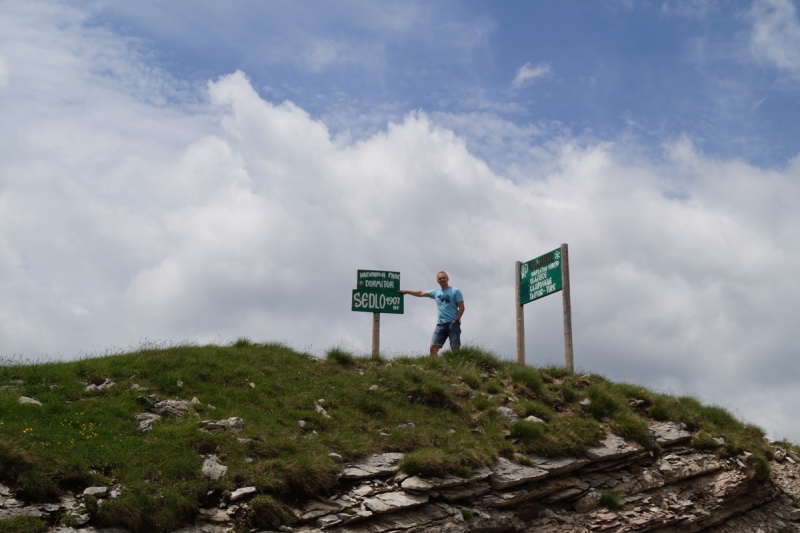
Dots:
pixel 378 279
pixel 376 301
pixel 540 277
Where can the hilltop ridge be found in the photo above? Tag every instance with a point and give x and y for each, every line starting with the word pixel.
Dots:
pixel 252 436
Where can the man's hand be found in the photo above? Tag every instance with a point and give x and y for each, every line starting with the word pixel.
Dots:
pixel 460 313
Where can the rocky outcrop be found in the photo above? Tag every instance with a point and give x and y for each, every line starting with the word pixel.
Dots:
pixel 615 487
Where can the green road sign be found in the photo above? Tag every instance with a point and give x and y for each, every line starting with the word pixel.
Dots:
pixel 378 279
pixel 540 277
pixel 373 301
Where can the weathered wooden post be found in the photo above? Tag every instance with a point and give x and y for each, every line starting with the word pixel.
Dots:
pixel 376 334
pixel 568 355
pixel 520 316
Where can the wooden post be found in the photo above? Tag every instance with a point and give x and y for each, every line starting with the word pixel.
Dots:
pixel 520 318
pixel 568 355
pixel 376 334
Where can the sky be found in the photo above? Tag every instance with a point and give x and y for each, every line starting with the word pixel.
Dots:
pixel 198 171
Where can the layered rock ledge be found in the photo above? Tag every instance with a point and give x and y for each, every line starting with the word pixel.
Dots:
pixel 678 489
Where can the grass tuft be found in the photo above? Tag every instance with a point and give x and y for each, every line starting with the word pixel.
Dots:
pixel 527 377
pixel 474 355
pixel 242 342
pixel 341 356
pixel 269 513
pixel 436 462
pixel 631 426
pixel 23 524
pixel 610 501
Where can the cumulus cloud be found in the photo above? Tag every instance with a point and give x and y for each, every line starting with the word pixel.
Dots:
pixel 775 36
pixel 125 215
pixel 526 74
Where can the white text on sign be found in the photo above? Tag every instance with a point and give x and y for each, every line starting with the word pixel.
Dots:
pixel 371 300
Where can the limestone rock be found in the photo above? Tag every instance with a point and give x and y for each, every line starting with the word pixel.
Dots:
pixel 218 426
pixel 463 492
pixel 372 467
pixel 321 410
pixel 238 494
pixel 508 413
pixel 557 466
pixel 173 408
pixel 24 400
pixel 498 523
pixel 612 447
pixel 97 492
pixel 587 502
pixel 394 501
pixel 535 419
pixel 97 387
pixel 212 469
pixel 669 433
pixel 507 474
pixel 424 484
pixel 316 509
pixel 214 515
pixel 147 421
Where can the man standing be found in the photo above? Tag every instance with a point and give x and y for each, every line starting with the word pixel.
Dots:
pixel 450 303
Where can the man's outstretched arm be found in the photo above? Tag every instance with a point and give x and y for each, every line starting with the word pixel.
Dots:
pixel 419 294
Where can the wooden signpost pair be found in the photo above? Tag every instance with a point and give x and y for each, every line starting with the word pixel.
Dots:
pixel 537 278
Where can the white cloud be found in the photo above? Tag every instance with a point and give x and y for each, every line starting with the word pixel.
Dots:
pixel 526 74
pixel 775 36
pixel 125 217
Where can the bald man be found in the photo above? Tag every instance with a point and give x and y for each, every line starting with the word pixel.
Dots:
pixel 450 303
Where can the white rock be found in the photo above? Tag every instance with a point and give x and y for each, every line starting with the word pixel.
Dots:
pixel 506 474
pixel 24 400
pixel 394 501
pixel 612 447
pixel 212 469
pixel 374 466
pixel 328 521
pixel 535 419
pixel 173 408
pixel 98 492
pixel 234 422
pixel 147 421
pixel 508 413
pixel 238 494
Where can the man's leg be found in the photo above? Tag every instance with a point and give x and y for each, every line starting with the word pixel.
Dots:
pixel 439 336
pixel 455 337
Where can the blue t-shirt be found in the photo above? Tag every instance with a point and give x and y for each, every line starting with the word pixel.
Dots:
pixel 446 302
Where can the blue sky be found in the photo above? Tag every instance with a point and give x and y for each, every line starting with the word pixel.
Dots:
pixel 652 70
pixel 199 171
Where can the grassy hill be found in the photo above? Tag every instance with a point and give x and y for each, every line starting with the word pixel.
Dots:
pixel 298 409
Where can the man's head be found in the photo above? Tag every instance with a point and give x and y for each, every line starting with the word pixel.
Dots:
pixel 442 279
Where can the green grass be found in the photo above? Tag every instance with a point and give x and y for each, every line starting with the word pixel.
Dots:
pixel 610 501
pixel 80 438
pixel 23 524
